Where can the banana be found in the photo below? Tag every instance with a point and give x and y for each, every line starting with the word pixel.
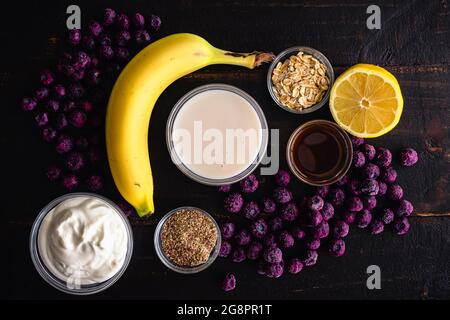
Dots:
pixel 134 95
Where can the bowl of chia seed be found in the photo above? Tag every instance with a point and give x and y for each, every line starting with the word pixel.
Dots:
pixel 187 240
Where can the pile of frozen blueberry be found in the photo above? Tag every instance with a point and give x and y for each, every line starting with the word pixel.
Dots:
pixel 281 233
pixel 69 105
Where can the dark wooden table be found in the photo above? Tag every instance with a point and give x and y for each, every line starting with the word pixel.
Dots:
pixel 413 44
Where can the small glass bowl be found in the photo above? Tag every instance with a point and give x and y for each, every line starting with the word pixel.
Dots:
pixel 184 168
pixel 182 269
pixel 58 283
pixel 285 55
pixel 339 171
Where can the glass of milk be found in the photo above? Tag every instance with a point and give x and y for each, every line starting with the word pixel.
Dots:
pixel 217 134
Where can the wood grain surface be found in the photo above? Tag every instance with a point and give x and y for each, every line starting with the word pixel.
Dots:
pixel 413 44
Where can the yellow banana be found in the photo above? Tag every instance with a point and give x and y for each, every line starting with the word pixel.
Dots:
pixel 134 95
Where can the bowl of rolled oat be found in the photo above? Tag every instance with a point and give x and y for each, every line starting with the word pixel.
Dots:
pixel 300 79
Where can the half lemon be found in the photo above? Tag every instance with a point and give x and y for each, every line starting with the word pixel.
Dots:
pixel 366 101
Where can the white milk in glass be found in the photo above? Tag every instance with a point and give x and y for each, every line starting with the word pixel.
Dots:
pixel 217 134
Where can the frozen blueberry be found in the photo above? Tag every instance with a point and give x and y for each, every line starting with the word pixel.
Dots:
pixel 349 217
pixel 59 91
pixel 282 195
pixel 74 37
pixel 29 104
pixel 107 52
pixel 269 205
pixel 401 226
pixel 249 184
pixel 41 118
pixel 122 54
pixel 388 175
pixel 61 121
pixel 383 157
pixel 276 224
pixel 282 178
pixel 286 240
pixel 94 77
pixel 81 60
pixel 295 266
pixel 395 192
pixel 142 37
pixel 227 230
pixel 259 228
pixel 313 244
pixel 274 270
pixel 229 282
pixel 354 204
pixel 123 22
pixel 53 173
pixel 371 171
pixel 108 17
pixel 369 151
pixel 138 20
pixel 270 241
pixel 369 202
pixel 322 191
pixel 382 188
pixel 342 182
pixel 64 144
pixel 77 118
pixel 78 75
pixel 336 197
pixel 251 210
pixel 298 233
pixel 123 37
pixel 289 212
pixel 357 141
pixel 243 237
pixel 233 202
pixel 359 160
pixel 155 22
pixel 46 77
pixel 363 219
pixel 95 28
pixel 75 161
pixel 273 255
pixel 41 93
pixel 48 134
pixel 94 183
pixel 327 211
pixel 225 249
pixel 104 40
pixel 322 230
pixel 238 255
pixel 370 187
pixel 254 250
pixel 404 209
pixel 337 247
pixel 387 216
pixel 315 203
pixel 311 258
pixel 70 182
pixel 354 187
pixel 341 229
pixel 315 218
pixel 86 106
pixel 408 157
pixel 377 227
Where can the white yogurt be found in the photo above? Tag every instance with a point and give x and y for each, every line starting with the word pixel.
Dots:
pixel 217 134
pixel 83 240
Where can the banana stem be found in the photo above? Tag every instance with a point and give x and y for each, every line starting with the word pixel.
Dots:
pixel 248 60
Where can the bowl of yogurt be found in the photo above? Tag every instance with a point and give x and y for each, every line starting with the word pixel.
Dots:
pixel 217 134
pixel 81 243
